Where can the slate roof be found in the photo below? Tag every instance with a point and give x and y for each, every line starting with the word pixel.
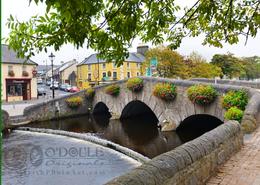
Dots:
pixel 133 57
pixel 9 56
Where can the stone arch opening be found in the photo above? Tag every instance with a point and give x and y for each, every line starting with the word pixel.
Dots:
pixel 136 109
pixel 101 109
pixel 196 125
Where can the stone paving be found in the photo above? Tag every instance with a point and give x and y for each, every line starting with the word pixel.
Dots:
pixel 244 167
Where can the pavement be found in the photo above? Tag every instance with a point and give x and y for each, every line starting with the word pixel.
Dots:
pixel 244 167
pixel 17 108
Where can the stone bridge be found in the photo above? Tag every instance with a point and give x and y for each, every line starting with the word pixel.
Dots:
pixel 128 104
pixel 169 114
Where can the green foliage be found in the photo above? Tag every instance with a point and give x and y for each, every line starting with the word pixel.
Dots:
pixel 135 84
pixel 237 99
pixel 202 94
pixel 110 27
pixel 74 102
pixel 112 90
pixel 90 93
pixel 234 113
pixel 165 91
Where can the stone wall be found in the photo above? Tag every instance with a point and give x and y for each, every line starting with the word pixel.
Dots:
pixel 230 82
pixel 56 108
pixel 190 163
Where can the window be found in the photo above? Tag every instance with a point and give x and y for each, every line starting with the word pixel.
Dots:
pixel 128 75
pixel 138 65
pixel 104 66
pixel 104 74
pixel 114 65
pixel 114 75
pixel 137 74
pixel 14 90
pixel 89 77
pixel 89 67
pixel 128 64
pixel 24 68
pixel 10 68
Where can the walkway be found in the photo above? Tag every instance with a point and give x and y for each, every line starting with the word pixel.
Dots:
pixel 244 167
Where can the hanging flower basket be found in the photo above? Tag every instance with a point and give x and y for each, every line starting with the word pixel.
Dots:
pixel 25 73
pixel 112 90
pixel 202 94
pixel 165 91
pixel 90 93
pixel 11 73
pixel 74 102
pixel 135 84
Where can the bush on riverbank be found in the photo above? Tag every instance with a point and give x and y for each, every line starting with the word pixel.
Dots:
pixel 112 90
pixel 202 94
pixel 135 84
pixel 237 99
pixel 165 91
pixel 74 102
pixel 234 113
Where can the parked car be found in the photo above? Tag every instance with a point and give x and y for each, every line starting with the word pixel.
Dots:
pixel 55 85
pixel 67 89
pixel 41 90
pixel 74 89
pixel 48 83
pixel 63 86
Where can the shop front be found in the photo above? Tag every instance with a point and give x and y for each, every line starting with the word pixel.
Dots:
pixel 18 89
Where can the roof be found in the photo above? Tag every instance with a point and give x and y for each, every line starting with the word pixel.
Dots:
pixel 9 57
pixel 43 67
pixel 133 57
pixel 67 65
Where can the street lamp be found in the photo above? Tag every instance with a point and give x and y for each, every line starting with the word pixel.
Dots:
pixel 52 58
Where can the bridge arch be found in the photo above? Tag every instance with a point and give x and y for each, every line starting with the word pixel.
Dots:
pixel 101 108
pixel 196 125
pixel 137 108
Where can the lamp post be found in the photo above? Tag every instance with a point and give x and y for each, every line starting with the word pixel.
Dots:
pixel 52 58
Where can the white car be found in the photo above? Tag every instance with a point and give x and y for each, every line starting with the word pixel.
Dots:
pixel 55 85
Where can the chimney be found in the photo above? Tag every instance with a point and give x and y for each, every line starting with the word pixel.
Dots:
pixel 142 49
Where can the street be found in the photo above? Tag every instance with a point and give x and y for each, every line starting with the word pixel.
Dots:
pixel 16 108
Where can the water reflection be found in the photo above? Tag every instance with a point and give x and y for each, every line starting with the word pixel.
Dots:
pixel 140 135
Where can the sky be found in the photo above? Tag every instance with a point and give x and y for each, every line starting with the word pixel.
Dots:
pixel 22 10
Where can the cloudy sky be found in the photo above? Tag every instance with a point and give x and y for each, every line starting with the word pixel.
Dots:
pixel 22 10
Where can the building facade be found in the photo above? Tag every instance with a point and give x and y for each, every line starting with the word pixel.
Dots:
pixel 19 77
pixel 93 71
pixel 67 73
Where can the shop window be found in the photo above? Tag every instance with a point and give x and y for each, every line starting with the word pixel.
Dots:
pixel 14 90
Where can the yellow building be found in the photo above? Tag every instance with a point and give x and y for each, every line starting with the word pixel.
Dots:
pixel 19 80
pixel 92 70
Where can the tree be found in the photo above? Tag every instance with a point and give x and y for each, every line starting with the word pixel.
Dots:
pixel 170 63
pixel 231 66
pixel 199 68
pixel 110 26
pixel 251 67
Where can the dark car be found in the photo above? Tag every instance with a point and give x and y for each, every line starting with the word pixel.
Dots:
pixel 41 90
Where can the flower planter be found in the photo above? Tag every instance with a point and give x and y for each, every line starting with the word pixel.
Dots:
pixel 135 84
pixel 112 90
pixel 165 91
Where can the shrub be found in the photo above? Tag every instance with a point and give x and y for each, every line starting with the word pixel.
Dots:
pixel 135 84
pixel 202 94
pixel 165 91
pixel 112 90
pixel 25 73
pixel 74 102
pixel 11 73
pixel 237 99
pixel 234 113
pixel 90 93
